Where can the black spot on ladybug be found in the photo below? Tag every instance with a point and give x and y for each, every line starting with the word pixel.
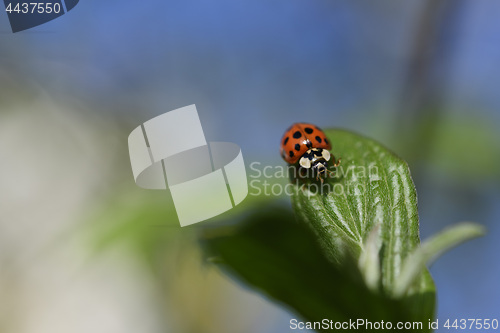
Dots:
pixel 307 155
pixel 318 152
pixel 286 141
pixel 318 139
pixel 308 130
pixel 326 141
pixel 309 144
pixel 291 153
pixel 297 147
pixel 297 135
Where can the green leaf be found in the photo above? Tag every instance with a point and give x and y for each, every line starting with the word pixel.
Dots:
pixel 367 213
pixel 372 191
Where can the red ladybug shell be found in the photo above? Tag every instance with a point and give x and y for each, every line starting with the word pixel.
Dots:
pixel 299 138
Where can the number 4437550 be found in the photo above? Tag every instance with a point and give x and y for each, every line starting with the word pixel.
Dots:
pixel 34 7
pixel 478 324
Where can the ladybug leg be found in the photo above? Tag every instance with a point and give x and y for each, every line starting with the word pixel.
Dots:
pixel 321 179
pixel 330 173
pixel 338 162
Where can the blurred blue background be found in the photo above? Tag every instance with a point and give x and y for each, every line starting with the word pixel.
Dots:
pixel 420 76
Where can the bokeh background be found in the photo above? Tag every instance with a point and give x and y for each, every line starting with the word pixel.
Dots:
pixel 83 249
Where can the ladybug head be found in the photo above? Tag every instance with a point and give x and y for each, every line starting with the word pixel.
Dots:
pixel 320 167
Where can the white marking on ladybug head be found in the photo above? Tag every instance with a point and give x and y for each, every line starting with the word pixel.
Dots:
pixel 305 162
pixel 326 155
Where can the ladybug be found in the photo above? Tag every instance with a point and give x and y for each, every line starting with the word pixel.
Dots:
pixel 308 145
